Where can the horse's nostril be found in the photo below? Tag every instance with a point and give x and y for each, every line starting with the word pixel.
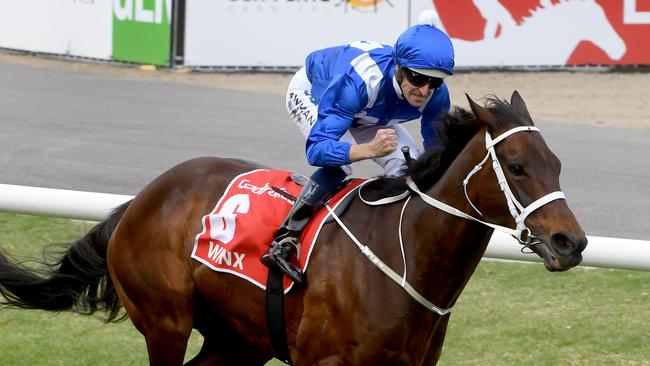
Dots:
pixel 562 243
pixel 568 244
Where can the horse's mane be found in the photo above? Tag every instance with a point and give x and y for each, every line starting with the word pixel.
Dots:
pixel 454 129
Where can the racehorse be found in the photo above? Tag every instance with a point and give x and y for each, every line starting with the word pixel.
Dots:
pixel 349 313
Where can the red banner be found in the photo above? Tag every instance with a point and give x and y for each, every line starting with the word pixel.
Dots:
pixel 548 32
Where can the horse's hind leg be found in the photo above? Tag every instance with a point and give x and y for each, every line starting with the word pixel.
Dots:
pixel 166 327
pixel 161 308
pixel 167 341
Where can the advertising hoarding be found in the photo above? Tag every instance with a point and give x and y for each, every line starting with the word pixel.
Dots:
pixel 142 31
pixel 68 27
pixel 547 32
pixel 282 32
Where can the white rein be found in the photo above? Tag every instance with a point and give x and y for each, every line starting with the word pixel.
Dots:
pixel 518 212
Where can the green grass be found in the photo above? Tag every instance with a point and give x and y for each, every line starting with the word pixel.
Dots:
pixel 44 338
pixel 509 314
pixel 519 314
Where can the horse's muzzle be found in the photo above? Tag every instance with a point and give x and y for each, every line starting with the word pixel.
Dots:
pixel 561 251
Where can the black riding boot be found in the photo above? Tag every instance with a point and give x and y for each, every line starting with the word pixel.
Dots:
pixel 286 243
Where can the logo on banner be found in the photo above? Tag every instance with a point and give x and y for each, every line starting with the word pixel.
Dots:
pixel 548 36
pixel 137 12
pixel 366 6
pixel 141 30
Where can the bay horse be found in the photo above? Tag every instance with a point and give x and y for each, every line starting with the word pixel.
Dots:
pixel 349 313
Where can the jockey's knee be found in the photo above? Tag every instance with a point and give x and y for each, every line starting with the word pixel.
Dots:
pixel 329 177
pixel 394 167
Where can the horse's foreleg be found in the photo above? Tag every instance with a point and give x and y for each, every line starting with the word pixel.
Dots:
pixel 438 338
pixel 226 350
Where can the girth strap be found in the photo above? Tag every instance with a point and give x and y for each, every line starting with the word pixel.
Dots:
pixel 275 315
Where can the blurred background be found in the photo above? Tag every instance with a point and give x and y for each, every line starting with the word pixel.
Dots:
pixel 278 34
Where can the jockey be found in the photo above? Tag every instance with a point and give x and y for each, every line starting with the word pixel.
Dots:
pixel 348 102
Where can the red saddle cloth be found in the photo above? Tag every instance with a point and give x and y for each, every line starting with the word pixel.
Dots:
pixel 241 226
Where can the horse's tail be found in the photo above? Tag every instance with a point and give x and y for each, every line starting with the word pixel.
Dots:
pixel 78 280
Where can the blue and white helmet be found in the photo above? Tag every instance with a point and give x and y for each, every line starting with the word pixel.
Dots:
pixel 425 49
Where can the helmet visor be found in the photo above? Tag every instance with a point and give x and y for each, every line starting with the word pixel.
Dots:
pixel 431 72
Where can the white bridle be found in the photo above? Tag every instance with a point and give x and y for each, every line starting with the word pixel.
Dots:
pixel 517 210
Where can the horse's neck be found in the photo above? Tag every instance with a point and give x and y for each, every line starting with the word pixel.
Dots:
pixel 450 185
pixel 449 247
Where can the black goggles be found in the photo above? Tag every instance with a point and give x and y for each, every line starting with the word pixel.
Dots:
pixel 419 80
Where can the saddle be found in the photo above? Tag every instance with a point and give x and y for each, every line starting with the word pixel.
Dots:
pixel 243 222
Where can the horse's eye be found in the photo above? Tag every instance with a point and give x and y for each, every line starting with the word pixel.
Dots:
pixel 516 169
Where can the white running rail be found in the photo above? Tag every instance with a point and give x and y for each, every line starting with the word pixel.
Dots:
pixel 58 202
pixel 601 251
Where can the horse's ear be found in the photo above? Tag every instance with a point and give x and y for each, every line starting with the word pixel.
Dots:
pixel 482 114
pixel 517 102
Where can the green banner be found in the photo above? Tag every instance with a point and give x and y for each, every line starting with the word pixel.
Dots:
pixel 142 31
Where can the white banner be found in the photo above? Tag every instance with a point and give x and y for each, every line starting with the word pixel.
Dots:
pixel 489 33
pixel 70 27
pixel 283 32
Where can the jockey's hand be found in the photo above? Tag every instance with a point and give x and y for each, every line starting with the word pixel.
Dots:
pixel 384 143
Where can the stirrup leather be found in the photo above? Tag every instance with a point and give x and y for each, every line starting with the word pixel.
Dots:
pixel 286 243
